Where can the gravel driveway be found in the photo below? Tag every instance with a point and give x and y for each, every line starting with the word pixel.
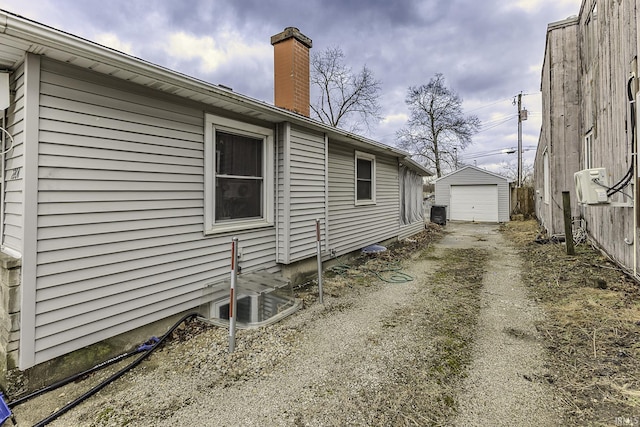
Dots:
pixel 370 355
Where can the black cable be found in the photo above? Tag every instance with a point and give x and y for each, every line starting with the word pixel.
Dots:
pixel 113 377
pixel 629 175
pixel 67 380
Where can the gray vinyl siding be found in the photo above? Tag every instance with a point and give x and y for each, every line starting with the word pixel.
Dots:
pixel 353 227
pixel 473 176
pixel 13 221
pixel 282 200
pixel 120 211
pixel 302 196
pixel 410 229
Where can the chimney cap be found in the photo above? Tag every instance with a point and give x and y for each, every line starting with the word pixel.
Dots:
pixel 291 32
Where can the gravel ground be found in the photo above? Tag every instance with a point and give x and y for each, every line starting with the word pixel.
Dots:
pixel 504 386
pixel 367 356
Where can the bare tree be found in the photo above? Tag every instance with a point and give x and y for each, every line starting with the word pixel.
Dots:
pixel 345 100
pixel 510 170
pixel 437 130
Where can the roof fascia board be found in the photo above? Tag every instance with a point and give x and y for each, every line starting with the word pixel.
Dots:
pixel 34 32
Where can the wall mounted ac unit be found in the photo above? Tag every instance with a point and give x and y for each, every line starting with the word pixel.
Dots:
pixel 591 186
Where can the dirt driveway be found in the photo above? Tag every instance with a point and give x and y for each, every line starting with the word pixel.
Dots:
pixel 503 387
pixel 455 345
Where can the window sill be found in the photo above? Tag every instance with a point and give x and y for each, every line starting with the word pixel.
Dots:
pixel 237 226
pixel 365 202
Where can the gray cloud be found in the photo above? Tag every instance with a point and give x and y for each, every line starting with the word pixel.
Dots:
pixel 485 49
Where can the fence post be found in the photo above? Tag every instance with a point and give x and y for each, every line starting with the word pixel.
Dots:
pixel 568 227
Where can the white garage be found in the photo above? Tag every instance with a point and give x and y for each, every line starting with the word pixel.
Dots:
pixel 473 194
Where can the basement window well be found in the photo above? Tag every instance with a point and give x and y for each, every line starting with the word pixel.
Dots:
pixel 262 299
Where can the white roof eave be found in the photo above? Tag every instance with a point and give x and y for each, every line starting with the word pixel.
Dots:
pixel 41 38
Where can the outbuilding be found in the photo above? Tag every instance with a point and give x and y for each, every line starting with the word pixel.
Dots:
pixel 473 194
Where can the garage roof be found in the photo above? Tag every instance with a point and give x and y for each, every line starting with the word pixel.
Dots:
pixel 475 168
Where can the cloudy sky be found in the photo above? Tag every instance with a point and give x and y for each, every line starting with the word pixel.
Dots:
pixel 487 50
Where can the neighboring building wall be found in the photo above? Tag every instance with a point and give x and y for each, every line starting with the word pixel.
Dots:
pixel 560 138
pixel 605 109
pixel 607 50
pixel 120 212
pixel 473 176
pixel 353 227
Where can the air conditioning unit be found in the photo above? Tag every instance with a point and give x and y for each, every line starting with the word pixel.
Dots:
pixel 591 186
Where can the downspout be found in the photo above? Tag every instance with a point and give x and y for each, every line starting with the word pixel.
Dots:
pixel 3 185
pixel 277 191
pixel 635 215
pixel 327 241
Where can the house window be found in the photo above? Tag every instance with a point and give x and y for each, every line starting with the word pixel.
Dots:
pixel 591 34
pixel 588 142
pixel 365 166
pixel 238 175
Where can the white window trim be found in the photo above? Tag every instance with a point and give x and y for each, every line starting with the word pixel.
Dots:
pixel 372 159
pixel 588 147
pixel 546 177
pixel 213 123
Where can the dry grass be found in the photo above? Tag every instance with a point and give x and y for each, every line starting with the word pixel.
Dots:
pixel 592 327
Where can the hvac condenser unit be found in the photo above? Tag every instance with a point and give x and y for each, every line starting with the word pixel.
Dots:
pixel 591 186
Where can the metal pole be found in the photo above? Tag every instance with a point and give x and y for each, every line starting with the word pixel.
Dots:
pixel 319 252
pixel 232 295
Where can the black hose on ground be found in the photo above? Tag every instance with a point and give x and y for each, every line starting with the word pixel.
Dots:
pixel 143 347
pixel 113 377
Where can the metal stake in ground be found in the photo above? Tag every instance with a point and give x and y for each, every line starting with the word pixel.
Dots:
pixel 319 251
pixel 232 294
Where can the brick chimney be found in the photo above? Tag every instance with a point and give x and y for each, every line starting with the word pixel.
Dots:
pixel 291 69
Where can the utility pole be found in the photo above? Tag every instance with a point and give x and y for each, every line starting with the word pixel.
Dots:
pixel 455 157
pixel 522 115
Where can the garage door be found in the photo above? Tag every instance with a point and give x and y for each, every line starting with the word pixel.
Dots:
pixel 474 203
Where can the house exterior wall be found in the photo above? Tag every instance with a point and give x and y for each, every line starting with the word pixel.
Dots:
pixel 301 193
pixel 120 239
pixel 473 176
pixel 559 138
pixel 411 203
pixel 13 164
pixel 606 50
pixel 107 223
pixel 353 227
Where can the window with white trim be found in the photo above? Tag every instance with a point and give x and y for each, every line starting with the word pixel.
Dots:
pixel 365 178
pixel 238 175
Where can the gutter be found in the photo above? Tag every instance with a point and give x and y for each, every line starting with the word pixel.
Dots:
pixel 39 35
